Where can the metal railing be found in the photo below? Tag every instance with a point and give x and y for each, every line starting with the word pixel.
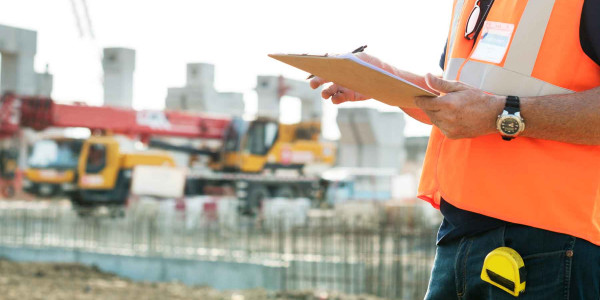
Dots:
pixel 386 259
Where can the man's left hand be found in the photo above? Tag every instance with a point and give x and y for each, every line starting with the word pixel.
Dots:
pixel 461 111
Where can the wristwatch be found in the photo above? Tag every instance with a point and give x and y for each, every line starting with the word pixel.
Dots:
pixel 509 123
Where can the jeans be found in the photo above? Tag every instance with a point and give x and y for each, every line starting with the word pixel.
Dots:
pixel 558 266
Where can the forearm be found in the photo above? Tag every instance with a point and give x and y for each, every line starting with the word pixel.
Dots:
pixel 411 77
pixel 417 114
pixel 418 80
pixel 572 118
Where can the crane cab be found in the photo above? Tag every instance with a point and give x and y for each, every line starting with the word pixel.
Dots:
pixel 105 168
pixel 52 167
pixel 264 144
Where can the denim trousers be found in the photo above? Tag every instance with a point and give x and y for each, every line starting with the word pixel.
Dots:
pixel 558 266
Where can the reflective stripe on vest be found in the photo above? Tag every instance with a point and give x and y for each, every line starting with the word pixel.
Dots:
pixel 540 183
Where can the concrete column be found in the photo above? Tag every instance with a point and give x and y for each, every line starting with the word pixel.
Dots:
pixel 18 48
pixel 200 95
pixel 44 84
pixel 349 143
pixel 371 139
pixel 267 90
pixel 200 75
pixel 270 89
pixel 118 65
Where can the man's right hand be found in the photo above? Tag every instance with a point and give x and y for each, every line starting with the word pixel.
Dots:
pixel 340 94
pixel 336 92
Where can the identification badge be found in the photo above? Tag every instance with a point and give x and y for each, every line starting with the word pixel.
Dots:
pixel 495 38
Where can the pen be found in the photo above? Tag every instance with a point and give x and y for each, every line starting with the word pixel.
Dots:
pixel 357 50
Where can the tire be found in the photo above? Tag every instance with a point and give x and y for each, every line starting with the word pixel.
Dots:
pixel 116 212
pixel 255 199
pixel 84 212
pixel 8 191
pixel 286 192
pixel 76 199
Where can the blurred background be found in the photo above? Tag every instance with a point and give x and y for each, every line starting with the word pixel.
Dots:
pixel 154 147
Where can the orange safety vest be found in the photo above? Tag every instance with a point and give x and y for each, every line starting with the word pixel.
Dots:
pixel 526 48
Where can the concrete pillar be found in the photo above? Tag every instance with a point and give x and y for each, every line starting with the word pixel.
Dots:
pixel 371 139
pixel 44 84
pixel 200 75
pixel 349 143
pixel 18 47
pixel 200 95
pixel 270 89
pixel 118 65
pixel 267 90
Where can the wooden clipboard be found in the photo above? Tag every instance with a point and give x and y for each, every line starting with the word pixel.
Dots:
pixel 353 73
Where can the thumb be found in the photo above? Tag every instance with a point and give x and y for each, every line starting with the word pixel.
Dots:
pixel 444 86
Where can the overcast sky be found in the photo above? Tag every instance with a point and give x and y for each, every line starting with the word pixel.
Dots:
pixel 234 35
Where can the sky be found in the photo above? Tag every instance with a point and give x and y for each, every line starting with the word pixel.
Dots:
pixel 234 35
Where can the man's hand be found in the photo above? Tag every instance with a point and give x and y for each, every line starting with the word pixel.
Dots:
pixel 336 92
pixel 462 111
pixel 340 94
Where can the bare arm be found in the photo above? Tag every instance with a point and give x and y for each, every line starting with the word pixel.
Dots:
pixel 572 118
pixel 465 112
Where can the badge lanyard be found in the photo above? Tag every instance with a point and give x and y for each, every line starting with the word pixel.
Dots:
pixel 476 20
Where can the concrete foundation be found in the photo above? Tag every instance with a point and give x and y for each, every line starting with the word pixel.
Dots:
pixel 217 274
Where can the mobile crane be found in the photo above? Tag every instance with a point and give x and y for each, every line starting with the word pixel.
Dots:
pixel 248 160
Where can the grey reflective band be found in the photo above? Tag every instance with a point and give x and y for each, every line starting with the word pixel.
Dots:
pixel 499 81
pixel 528 36
pixel 455 19
pixel 452 67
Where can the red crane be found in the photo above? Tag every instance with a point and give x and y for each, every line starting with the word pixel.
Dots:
pixel 40 113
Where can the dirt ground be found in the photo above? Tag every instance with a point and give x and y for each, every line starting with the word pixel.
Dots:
pixel 50 281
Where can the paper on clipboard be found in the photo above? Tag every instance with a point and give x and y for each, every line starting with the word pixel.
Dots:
pixel 351 72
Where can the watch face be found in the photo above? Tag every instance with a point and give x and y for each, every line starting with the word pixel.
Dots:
pixel 510 126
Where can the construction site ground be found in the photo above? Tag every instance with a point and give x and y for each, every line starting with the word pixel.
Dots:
pixel 50 281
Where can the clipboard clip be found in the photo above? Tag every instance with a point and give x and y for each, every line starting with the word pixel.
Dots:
pixel 357 50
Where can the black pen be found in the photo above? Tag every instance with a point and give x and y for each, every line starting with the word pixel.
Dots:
pixel 357 50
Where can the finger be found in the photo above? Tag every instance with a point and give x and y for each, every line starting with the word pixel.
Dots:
pixel 343 95
pixel 330 91
pixel 444 86
pixel 317 82
pixel 428 103
pixel 338 98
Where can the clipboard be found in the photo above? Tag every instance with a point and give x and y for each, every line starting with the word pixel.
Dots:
pixel 351 72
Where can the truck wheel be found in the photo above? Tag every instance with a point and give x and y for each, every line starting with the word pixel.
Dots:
pixel 256 196
pixel 83 211
pixel 8 191
pixel 286 192
pixel 116 211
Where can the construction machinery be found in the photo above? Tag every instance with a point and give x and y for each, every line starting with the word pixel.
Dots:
pixel 249 161
pixel 52 167
pixel 8 171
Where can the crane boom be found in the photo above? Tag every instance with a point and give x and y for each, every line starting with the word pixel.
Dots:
pixel 40 113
